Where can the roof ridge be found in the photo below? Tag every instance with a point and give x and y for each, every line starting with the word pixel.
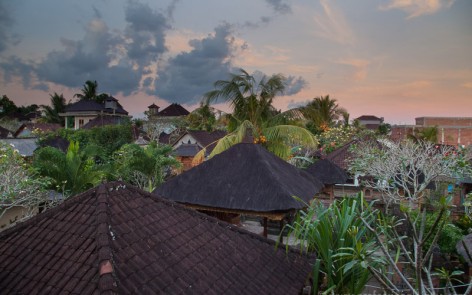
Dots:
pixel 106 280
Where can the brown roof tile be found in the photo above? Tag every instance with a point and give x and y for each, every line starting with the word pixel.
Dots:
pixel 119 239
pixel 174 110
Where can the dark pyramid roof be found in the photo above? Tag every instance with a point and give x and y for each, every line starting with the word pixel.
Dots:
pixel 327 172
pixel 119 239
pixel 174 110
pixel 244 177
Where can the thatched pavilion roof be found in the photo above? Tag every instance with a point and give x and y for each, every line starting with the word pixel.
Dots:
pixel 246 177
pixel 327 172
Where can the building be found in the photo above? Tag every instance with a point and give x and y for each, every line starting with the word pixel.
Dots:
pixel 118 239
pixel 456 131
pixel 370 122
pixel 193 141
pixel 80 113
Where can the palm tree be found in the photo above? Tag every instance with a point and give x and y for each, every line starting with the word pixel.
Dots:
pixel 250 99
pixel 323 112
pixel 89 92
pixel 253 114
pixel 144 167
pixel 429 134
pixel 72 172
pixel 58 105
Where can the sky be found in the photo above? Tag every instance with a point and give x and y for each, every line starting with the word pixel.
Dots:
pixel 397 59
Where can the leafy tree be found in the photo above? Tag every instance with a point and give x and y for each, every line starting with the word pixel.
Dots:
pixel 249 98
pixel 323 112
pixel 144 167
pixel 341 242
pixel 202 118
pixel 32 108
pixel 19 187
pixel 72 172
pixel 384 129
pixel 253 114
pixel 107 138
pixel 425 134
pixel 9 107
pixel 58 105
pixel 402 172
pixel 90 92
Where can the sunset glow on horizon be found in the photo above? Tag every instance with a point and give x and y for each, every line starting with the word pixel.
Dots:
pixel 393 58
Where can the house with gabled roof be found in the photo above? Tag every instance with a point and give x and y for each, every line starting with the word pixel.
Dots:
pixel 370 122
pixel 118 239
pixel 192 141
pixel 28 129
pixel 83 111
pixel 5 133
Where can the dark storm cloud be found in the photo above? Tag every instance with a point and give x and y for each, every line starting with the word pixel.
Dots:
pixel 95 57
pixel 279 6
pixel 145 33
pixel 293 85
pixel 15 67
pixel 297 104
pixel 6 22
pixel 187 76
pixel 116 60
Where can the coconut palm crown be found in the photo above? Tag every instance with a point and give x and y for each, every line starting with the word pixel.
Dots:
pixel 254 115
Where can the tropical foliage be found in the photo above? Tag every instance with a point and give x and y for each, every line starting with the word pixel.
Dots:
pixel 72 172
pixel 253 115
pixel 90 92
pixel 202 118
pixel 144 167
pixel 322 113
pixel 19 186
pixel 341 242
pixel 402 172
pixel 335 137
pixel 108 138
pixel 58 105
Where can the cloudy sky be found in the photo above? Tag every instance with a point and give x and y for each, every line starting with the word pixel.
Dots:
pixel 397 59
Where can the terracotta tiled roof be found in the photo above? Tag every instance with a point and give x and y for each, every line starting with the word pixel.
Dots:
pixel 174 110
pixel 342 155
pixel 117 239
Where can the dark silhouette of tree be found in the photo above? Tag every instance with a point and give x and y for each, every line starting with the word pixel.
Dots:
pixel 58 105
pixel 90 92
pixel 8 106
